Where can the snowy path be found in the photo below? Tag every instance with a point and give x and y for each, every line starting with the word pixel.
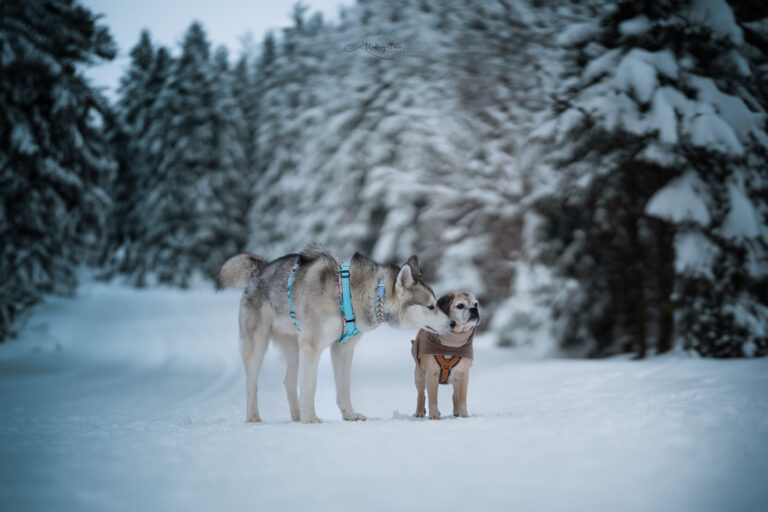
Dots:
pixel 133 400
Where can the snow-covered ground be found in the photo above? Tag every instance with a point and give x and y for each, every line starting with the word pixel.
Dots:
pixel 134 400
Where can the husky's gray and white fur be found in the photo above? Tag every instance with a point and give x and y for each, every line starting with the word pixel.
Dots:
pixel 265 315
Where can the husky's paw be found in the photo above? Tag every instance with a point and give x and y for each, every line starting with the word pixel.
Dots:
pixel 354 416
pixel 311 419
pixel 254 418
pixel 434 415
pixel 461 414
pixel 419 414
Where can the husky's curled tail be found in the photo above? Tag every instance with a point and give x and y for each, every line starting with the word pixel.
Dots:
pixel 237 270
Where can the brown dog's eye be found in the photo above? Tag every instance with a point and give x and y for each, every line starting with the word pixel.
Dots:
pixel 460 306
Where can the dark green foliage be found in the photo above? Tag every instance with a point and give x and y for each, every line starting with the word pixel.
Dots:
pixel 55 166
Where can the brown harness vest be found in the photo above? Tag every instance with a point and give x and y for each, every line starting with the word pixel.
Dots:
pixel 447 356
pixel 446 365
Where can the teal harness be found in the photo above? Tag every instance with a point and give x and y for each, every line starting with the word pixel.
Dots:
pixel 345 302
pixel 347 315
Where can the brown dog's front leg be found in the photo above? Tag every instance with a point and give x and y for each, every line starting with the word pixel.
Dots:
pixel 432 382
pixel 456 385
pixel 460 396
pixel 420 378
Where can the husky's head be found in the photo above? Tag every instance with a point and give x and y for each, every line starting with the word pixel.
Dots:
pixel 461 307
pixel 415 302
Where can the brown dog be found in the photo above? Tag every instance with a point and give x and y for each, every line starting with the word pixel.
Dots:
pixel 446 358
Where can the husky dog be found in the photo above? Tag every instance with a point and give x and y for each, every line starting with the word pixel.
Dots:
pixel 265 314
pixel 446 358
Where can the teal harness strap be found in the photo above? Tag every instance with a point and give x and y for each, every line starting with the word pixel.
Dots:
pixel 290 296
pixel 345 294
pixel 345 299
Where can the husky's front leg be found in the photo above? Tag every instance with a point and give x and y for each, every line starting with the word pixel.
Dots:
pixel 341 356
pixel 309 357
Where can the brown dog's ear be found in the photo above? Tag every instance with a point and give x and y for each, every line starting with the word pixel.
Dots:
pixel 444 303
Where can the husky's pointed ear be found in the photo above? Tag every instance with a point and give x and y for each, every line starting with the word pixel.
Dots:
pixel 444 303
pixel 405 277
pixel 413 262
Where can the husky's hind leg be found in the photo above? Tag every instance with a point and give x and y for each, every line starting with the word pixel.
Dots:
pixel 254 340
pixel 289 345
pixel 341 357
pixel 309 357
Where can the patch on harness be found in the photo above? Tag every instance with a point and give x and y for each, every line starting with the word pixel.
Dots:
pixel 446 365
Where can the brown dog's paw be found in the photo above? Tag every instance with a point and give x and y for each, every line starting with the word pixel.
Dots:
pixel 463 414
pixel 419 414
pixel 434 415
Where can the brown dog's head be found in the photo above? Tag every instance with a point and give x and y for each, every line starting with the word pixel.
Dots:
pixel 461 307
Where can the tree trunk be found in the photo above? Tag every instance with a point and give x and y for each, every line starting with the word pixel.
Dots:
pixel 664 237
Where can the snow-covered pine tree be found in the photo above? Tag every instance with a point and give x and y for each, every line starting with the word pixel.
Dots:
pixel 723 266
pixel 254 103
pixel 660 147
pixel 54 162
pixel 245 92
pixel 233 144
pixel 138 161
pixel 141 174
pixel 190 213
pixel 130 111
